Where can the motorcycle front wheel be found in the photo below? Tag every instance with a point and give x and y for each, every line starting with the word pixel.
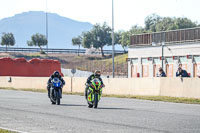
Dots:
pixel 57 98
pixel 95 100
pixel 58 101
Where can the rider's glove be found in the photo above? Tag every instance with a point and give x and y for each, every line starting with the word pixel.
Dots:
pixel 102 85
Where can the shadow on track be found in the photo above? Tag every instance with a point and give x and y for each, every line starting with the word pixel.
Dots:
pixel 114 108
pixel 75 105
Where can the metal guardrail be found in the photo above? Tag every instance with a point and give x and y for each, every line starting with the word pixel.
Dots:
pixel 52 50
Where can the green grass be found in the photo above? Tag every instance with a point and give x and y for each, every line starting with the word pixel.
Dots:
pixel 34 55
pixel 152 98
pixel 6 131
pixel 24 89
pixel 37 55
pixel 161 98
pixel 78 57
pixel 119 59
pixel 38 90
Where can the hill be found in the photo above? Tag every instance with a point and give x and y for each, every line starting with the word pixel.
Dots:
pixel 60 29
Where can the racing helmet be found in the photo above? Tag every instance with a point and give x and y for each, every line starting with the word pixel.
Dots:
pixel 97 73
pixel 56 73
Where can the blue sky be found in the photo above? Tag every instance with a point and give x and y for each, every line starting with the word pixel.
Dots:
pixel 126 12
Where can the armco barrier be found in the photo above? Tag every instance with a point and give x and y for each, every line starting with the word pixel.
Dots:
pixel 31 68
pixel 174 87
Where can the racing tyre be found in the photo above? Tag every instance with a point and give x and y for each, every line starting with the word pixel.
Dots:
pixel 53 102
pixel 95 100
pixel 90 105
pixel 58 101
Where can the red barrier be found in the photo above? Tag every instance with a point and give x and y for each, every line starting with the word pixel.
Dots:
pixel 31 68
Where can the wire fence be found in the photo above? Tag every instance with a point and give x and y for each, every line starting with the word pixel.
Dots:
pixel 121 69
pixel 53 50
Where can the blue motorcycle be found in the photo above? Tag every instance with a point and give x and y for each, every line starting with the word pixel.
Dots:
pixel 55 91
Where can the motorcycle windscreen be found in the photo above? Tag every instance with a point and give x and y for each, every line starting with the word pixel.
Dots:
pixel 56 84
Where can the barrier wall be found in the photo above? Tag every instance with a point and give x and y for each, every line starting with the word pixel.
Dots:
pixel 175 87
pixel 180 87
pixel 31 68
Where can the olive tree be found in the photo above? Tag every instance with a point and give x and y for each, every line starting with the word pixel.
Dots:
pixel 38 40
pixel 7 39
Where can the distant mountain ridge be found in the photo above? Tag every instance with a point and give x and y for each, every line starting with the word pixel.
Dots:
pixel 60 29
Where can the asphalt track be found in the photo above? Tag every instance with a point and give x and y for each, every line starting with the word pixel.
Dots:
pixel 32 112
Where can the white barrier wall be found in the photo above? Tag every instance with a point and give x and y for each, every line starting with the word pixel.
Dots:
pixel 24 82
pixel 132 86
pixel 175 87
pixel 30 82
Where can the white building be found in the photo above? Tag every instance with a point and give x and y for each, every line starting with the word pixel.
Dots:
pixel 179 47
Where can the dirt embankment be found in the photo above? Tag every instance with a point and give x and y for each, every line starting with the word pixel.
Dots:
pixel 82 62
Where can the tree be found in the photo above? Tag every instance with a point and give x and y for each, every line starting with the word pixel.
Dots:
pixel 155 23
pixel 165 24
pixel 150 22
pixel 8 40
pixel 124 39
pixel 168 23
pixel 124 36
pixel 38 40
pixel 117 37
pixel 87 40
pixel 77 41
pixel 98 37
pixel 183 23
pixel 102 36
pixel 137 30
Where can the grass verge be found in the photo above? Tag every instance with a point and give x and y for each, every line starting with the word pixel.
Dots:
pixel 152 98
pixel 161 98
pixel 23 89
pixel 6 131
pixel 38 90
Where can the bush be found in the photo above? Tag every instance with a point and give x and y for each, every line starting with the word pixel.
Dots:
pixel 42 52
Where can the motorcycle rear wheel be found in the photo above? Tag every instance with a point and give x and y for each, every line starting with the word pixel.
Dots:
pixel 53 102
pixel 90 105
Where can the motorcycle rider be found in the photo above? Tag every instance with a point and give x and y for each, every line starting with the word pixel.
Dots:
pixel 97 74
pixel 56 74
